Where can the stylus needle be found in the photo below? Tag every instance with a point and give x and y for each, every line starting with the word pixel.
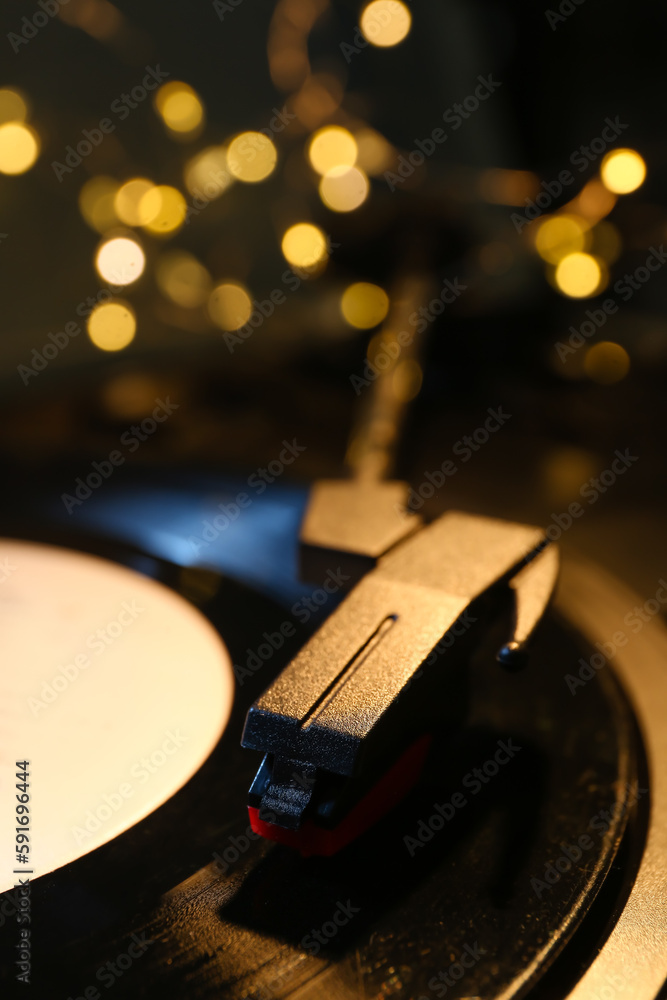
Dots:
pixel 533 587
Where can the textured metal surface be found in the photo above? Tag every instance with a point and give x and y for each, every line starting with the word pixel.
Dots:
pixel 341 692
pixel 355 517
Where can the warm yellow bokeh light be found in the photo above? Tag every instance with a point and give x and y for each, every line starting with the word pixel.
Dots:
pixel 344 188
pixel 120 261
pixel 580 275
pixel 19 148
pixel 406 380
pixel 164 208
pixel 560 235
pixel 607 242
pixel 383 342
pixel 96 203
pixel 385 22
pixel 207 173
pixel 111 326
pixel 13 107
pixel 229 306
pixel 606 362
pixel 507 187
pixel 251 157
pixel 563 470
pixel 181 278
pixel 180 107
pixel 622 171
pixel 364 305
pixel 304 245
pixel 318 99
pixel 332 146
pixel 128 201
pixel 374 153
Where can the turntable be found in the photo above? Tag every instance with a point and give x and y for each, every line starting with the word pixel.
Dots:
pixel 332 575
pixel 462 783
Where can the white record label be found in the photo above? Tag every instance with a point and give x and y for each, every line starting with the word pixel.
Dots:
pixel 113 687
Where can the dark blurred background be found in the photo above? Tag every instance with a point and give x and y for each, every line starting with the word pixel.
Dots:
pixel 412 140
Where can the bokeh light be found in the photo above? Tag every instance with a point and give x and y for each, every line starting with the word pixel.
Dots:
pixel 606 241
pixel 207 173
pixel 559 235
pixel 622 171
pixel 13 107
pixel 180 108
pixel 374 153
pixel 128 201
pixel 98 18
pixel 163 207
pixel 112 326
pixel 120 261
pixel 593 202
pixel 332 146
pixel 181 278
pixel 344 188
pixel 507 187
pixel 96 203
pixel 385 22
pixel 229 305
pixel 251 157
pixel 318 99
pixel 606 362
pixel 364 305
pixel 563 471
pixel 305 246
pixel 580 275
pixel 383 342
pixel 406 380
pixel 19 147
pixel 129 395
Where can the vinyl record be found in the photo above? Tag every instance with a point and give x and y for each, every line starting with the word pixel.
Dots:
pixel 497 877
pixel 118 691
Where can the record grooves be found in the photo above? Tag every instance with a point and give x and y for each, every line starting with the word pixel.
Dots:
pixel 233 916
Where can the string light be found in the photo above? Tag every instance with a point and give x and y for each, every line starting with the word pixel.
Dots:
pixel 580 275
pixel 128 202
pixel 364 305
pixel 120 261
pixel 374 153
pixel 606 241
pixel 251 157
pixel 406 380
pixel 13 107
pixel 344 188
pixel 164 208
pixel 622 171
pixel 230 306
pixel 19 147
pixel 304 245
pixel 180 108
pixel 207 172
pixel 96 203
pixel 560 235
pixel 318 99
pixel 111 326
pixel 385 22
pixel 606 362
pixel 332 146
pixel 182 279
